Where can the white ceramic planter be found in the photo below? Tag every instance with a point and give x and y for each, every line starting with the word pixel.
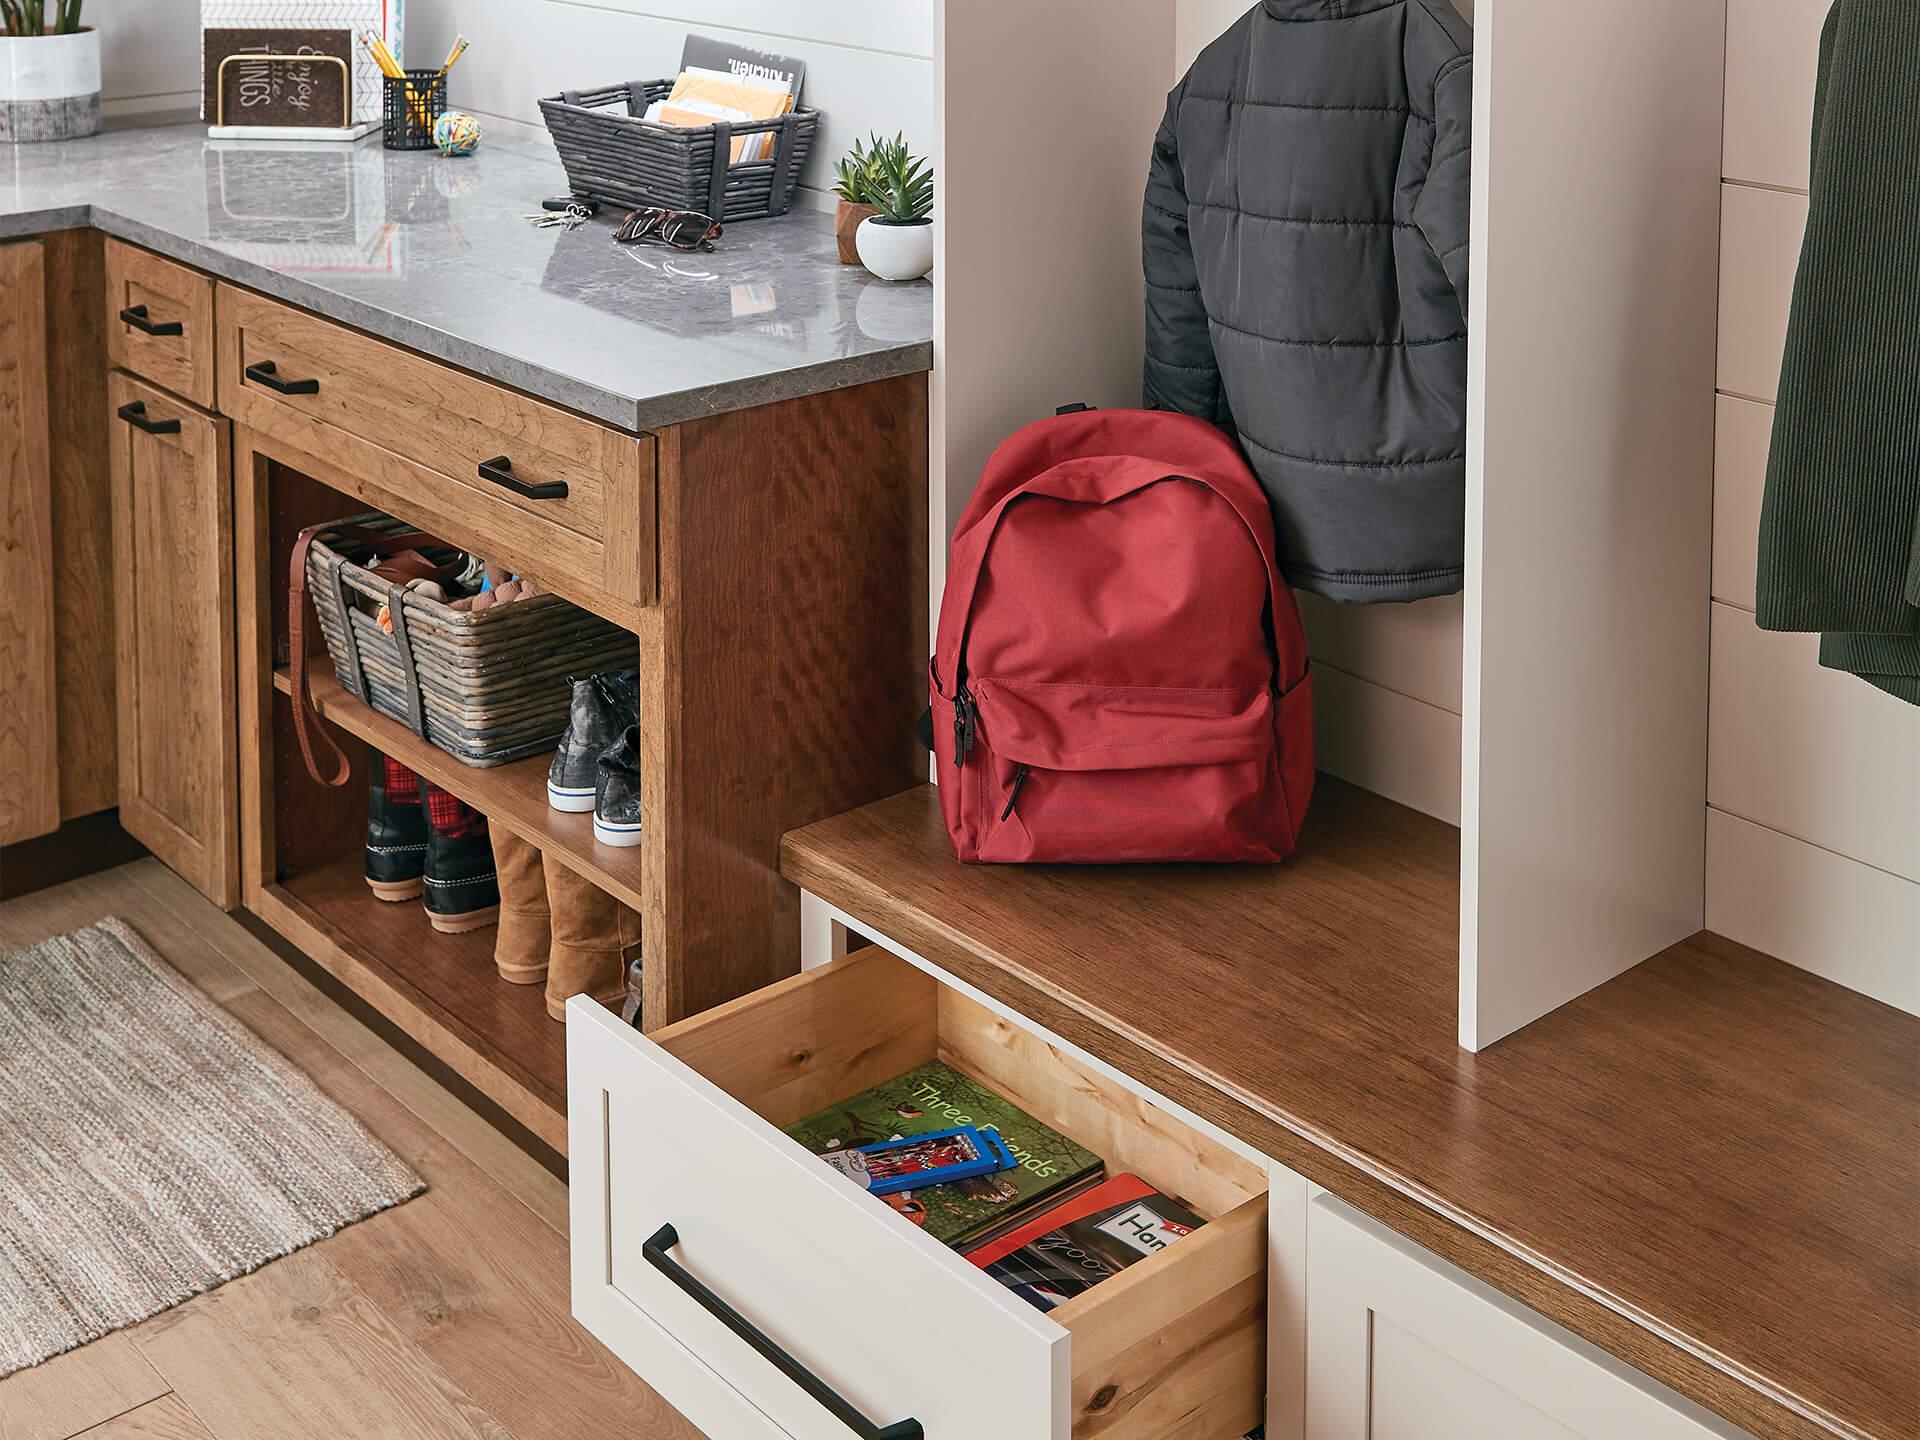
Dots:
pixel 895 252
pixel 49 86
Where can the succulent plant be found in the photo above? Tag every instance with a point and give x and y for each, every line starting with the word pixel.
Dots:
pixel 903 189
pixel 29 17
pixel 854 180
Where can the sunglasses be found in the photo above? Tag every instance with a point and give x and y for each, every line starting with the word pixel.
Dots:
pixel 686 230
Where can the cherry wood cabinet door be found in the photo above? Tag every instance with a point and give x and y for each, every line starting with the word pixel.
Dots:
pixel 174 632
pixel 29 737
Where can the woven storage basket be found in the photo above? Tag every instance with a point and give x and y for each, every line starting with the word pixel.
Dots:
pixel 487 687
pixel 612 155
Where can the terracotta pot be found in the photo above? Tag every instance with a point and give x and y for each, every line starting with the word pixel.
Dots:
pixel 846 220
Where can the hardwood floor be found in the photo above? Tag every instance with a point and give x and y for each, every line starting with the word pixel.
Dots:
pixel 446 1316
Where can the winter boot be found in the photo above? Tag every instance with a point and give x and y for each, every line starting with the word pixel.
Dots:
pixel 462 891
pixel 603 705
pixel 396 832
pixel 526 925
pixel 595 938
pixel 616 798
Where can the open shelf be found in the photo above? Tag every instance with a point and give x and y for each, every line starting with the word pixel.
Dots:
pixel 514 795
pixel 442 990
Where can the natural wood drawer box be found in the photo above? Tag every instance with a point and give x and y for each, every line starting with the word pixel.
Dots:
pixel 160 322
pixel 573 506
pixel 682 1129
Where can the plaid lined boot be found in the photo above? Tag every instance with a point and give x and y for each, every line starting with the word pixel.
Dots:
pixel 396 832
pixel 463 892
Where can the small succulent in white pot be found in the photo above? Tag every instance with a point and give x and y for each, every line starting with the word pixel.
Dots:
pixel 897 242
pixel 49 71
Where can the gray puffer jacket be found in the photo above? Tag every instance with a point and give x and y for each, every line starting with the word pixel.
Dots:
pixel 1306 266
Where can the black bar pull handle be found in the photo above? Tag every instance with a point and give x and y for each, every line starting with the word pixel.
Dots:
pixel 134 412
pixel 266 373
pixel 654 1252
pixel 137 317
pixel 500 471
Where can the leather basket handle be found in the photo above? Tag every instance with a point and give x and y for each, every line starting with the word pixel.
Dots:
pixel 305 727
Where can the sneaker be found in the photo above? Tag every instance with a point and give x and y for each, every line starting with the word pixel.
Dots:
pixel 616 800
pixel 396 832
pixel 463 891
pixel 603 705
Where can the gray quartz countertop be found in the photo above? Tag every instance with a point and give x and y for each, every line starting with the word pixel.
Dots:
pixel 433 254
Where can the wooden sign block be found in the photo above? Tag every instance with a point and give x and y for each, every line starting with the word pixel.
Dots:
pixel 310 90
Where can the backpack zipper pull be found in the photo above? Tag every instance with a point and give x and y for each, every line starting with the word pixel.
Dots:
pixel 1013 796
pixel 963 726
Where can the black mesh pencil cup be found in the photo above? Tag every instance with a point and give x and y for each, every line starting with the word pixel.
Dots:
pixel 411 105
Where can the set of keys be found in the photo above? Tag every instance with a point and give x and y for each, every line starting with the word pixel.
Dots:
pixel 569 217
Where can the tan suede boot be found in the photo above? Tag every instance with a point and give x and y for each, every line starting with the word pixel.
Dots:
pixel 595 937
pixel 526 928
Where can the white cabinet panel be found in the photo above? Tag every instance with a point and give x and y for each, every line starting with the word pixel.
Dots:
pixel 1403 1346
pixel 1811 752
pixel 1773 50
pixel 1841 919
pixel 1743 432
pixel 1760 234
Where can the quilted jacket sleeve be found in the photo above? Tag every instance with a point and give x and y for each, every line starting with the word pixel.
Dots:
pixel 1180 372
pixel 1442 210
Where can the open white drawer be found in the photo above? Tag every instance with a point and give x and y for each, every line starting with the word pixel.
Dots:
pixel 741 1276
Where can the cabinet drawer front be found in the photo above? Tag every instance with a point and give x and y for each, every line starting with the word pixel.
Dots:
pixel 1403 1346
pixel 681 1130
pixel 891 1321
pixel 160 321
pixel 562 497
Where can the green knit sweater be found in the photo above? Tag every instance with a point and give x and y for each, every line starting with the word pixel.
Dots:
pixel 1840 525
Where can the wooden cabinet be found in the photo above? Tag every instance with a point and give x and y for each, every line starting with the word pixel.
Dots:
pixel 29 737
pixel 174 627
pixel 1403 1346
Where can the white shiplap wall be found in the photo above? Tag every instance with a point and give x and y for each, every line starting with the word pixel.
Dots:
pixel 869 62
pixel 1813 777
pixel 149 54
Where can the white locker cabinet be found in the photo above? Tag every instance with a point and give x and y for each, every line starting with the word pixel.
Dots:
pixel 1403 1346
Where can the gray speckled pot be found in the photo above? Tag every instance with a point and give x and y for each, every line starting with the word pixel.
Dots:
pixel 49 86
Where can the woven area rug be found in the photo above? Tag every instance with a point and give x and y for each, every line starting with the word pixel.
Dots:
pixel 151 1146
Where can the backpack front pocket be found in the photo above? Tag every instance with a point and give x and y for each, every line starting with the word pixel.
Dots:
pixel 1121 773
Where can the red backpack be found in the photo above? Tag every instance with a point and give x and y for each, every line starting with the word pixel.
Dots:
pixel 1120 673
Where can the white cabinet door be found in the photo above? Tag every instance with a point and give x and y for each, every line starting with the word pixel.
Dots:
pixel 1403 1346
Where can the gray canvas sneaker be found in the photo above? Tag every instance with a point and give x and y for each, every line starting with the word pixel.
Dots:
pixel 616 805
pixel 603 705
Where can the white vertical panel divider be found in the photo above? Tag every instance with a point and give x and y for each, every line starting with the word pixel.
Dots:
pixel 1590 434
pixel 1044 114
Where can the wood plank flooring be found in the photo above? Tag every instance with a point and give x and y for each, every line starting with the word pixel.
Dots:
pixel 443 1317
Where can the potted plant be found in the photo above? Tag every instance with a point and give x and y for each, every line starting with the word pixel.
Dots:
pixel 854 183
pixel 49 71
pixel 897 242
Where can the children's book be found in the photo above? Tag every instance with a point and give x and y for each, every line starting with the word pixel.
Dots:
pixel 1075 1245
pixel 936 1097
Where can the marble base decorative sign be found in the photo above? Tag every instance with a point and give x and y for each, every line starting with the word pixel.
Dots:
pixel 277 77
pixel 49 86
pixel 384 17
